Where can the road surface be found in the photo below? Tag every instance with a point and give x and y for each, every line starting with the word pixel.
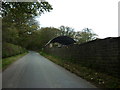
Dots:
pixel 35 71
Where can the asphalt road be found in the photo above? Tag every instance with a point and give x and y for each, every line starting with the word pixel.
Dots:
pixel 35 71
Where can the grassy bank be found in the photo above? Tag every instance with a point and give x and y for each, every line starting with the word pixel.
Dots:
pixel 98 79
pixel 9 49
pixel 8 61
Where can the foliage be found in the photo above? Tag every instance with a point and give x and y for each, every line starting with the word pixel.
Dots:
pixel 11 50
pixel 20 27
pixel 9 33
pixel 81 36
pixel 39 38
pixel 7 61
pixel 85 35
pixel 19 19
pixel 24 10
pixel 66 31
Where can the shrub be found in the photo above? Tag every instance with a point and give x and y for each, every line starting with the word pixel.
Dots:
pixel 9 49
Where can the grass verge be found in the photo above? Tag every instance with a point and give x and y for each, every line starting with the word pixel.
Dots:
pixel 8 61
pixel 100 80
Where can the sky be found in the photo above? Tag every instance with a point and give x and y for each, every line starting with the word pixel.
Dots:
pixel 99 15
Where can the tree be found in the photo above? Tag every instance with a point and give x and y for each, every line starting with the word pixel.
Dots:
pixel 21 12
pixel 33 24
pixel 38 39
pixel 20 15
pixel 85 35
pixel 67 31
pixel 27 9
pixel 9 33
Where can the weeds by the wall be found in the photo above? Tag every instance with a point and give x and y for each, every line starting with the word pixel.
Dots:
pixel 101 80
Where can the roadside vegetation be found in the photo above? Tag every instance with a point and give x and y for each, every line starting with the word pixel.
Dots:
pixel 100 80
pixel 19 24
pixel 9 60
pixel 11 53
pixel 21 32
pixel 11 50
pixel 20 27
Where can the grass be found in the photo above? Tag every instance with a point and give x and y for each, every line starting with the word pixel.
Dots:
pixel 8 61
pixel 0 64
pixel 100 80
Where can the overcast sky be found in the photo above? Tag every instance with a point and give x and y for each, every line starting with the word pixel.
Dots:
pixel 99 15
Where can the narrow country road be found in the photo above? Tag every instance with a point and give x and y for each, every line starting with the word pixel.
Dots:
pixel 35 71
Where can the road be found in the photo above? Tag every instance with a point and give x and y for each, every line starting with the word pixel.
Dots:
pixel 35 71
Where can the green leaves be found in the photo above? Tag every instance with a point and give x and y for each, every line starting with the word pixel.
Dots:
pixel 38 39
pixel 21 12
pixel 67 31
pixel 30 8
pixel 19 20
pixel 81 36
pixel 85 35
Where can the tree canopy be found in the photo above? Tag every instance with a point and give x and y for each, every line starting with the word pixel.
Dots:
pixel 18 19
pixel 20 27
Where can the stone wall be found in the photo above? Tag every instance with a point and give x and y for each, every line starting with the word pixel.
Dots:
pixel 102 55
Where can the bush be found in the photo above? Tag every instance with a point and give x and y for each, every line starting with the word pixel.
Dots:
pixel 9 49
